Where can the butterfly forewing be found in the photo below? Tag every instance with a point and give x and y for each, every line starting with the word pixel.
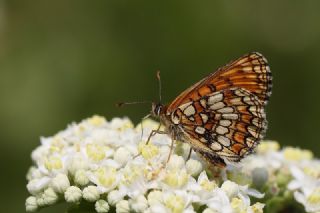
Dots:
pixel 250 72
pixel 222 116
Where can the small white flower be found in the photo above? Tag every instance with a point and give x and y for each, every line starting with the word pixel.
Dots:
pixel 176 179
pixel 115 196
pixel 194 167
pixel 31 204
pixel 208 210
pixel 50 196
pixel 155 197
pixel 219 202
pixel 177 201
pixel 41 201
pixel 81 178
pixel 310 199
pixel 73 194
pixel 123 206
pixel 139 203
pixel 91 193
pixel 110 159
pixel 122 156
pixel 60 183
pixel 230 188
pixel 33 173
pixel 77 162
pixel 106 178
pixel 256 208
pixel 102 206
pixel 37 185
pixel 176 162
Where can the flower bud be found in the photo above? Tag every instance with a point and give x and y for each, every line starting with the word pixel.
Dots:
pixel 91 193
pixel 31 204
pixel 102 206
pixel 259 177
pixel 60 183
pixel 123 207
pixel 73 194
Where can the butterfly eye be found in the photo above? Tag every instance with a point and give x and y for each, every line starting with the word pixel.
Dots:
pixel 156 109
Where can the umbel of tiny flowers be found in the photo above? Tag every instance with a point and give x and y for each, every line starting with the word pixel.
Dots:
pixel 106 166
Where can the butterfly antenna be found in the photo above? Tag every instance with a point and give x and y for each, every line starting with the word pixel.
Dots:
pixel 120 104
pixel 159 81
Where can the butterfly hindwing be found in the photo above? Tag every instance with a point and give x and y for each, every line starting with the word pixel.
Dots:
pixel 227 123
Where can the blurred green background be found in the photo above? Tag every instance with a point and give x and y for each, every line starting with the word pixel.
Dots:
pixel 62 61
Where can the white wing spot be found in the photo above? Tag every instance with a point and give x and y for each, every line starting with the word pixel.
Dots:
pixel 190 110
pixel 204 117
pixel 247 69
pixel 231 116
pixel 203 140
pixel 218 105
pixel 253 131
pixel 203 103
pixel 256 122
pixel 248 100
pixel 240 92
pixel 224 140
pixel 216 146
pixel 226 110
pixel 236 101
pixel 184 106
pixel 221 130
pixel 225 123
pixel 175 119
pixel 200 130
pixel 215 98
pixel 257 69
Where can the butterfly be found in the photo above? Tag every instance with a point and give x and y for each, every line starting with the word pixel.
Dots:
pixel 222 117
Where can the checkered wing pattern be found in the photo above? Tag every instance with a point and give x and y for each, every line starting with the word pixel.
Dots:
pixel 222 116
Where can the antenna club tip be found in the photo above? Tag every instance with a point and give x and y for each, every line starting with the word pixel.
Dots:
pixel 158 74
pixel 120 104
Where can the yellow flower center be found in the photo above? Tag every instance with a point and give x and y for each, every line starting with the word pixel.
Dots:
pixel 53 163
pixel 296 154
pixel 96 120
pixel 56 145
pixel 257 208
pixel 106 176
pixel 238 205
pixel 175 203
pixel 176 178
pixel 148 151
pixel 314 197
pixel 131 175
pixel 208 185
pixel 267 146
pixel 96 152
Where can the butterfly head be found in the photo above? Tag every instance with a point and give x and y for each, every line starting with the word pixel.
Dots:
pixel 157 109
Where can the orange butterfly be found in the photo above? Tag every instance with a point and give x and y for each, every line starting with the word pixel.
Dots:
pixel 222 116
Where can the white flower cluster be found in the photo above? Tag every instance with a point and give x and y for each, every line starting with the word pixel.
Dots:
pixel 286 172
pixel 109 164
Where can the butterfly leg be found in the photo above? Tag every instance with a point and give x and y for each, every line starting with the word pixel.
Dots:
pixel 171 148
pixel 154 132
pixel 189 155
